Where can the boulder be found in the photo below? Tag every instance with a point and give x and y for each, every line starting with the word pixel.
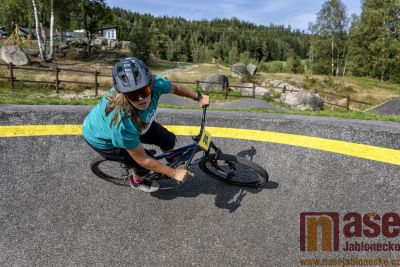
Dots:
pixel 99 41
pixel 285 87
pixel 125 44
pixel 266 82
pixel 302 100
pixel 252 69
pixel 279 86
pixel 248 91
pixel 14 54
pixel 275 83
pixel 77 43
pixel 240 70
pixel 114 44
pixel 210 83
pixel 298 83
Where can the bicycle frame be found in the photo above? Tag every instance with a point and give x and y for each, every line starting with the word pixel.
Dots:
pixel 186 153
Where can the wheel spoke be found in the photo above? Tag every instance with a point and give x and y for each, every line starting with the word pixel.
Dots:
pixel 234 170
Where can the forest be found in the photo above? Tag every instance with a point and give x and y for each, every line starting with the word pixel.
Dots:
pixel 336 43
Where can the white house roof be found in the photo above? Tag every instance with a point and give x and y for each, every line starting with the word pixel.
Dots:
pixel 108 28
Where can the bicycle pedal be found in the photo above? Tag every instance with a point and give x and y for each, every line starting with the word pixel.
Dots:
pixel 126 177
pixel 151 152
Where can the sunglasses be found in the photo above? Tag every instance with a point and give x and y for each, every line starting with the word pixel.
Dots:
pixel 141 93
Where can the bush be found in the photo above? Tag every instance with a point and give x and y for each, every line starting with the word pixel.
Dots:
pixel 293 65
pixel 277 66
pixel 263 67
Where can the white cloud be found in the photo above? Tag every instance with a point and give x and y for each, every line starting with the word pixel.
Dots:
pixel 300 21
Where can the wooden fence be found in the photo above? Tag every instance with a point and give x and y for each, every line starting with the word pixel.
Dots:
pixel 56 70
pixel 96 74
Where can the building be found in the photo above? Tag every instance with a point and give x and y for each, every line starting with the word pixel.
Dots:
pixel 109 32
pixel 30 33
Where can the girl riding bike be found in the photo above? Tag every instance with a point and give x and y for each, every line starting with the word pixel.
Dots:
pixel 123 120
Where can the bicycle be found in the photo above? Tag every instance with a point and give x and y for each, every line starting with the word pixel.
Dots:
pixel 228 168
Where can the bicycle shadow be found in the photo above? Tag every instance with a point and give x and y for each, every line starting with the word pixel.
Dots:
pixel 227 196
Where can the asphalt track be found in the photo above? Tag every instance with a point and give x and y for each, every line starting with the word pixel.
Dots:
pixel 55 212
pixel 391 107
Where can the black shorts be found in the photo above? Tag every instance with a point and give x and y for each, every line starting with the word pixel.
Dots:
pixel 156 135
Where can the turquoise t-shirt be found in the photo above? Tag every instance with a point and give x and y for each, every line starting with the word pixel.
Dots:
pixel 99 133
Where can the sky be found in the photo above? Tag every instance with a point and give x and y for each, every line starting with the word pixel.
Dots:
pixel 261 12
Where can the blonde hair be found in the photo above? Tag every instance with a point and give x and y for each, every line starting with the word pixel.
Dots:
pixel 118 101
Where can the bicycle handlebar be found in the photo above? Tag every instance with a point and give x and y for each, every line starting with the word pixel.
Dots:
pixel 203 119
pixel 203 123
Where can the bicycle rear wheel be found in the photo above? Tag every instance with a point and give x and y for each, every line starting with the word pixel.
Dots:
pixel 110 171
pixel 234 170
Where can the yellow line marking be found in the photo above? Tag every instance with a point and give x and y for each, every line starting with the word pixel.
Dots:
pixel 381 154
pixel 39 130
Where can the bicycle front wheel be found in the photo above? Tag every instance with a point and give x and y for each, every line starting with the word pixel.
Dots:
pixel 234 170
pixel 110 171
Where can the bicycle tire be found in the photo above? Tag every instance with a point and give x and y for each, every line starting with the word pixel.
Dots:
pixel 96 167
pixel 218 171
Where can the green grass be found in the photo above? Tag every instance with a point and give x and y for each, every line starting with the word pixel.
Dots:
pixel 40 96
pixel 366 82
pixel 158 69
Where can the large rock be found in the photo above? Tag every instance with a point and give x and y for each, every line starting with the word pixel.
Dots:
pixel 275 83
pixel 77 43
pixel 239 70
pixel 302 100
pixel 251 68
pixel 113 44
pixel 99 41
pixel 298 83
pixel 279 86
pixel 125 44
pixel 287 87
pixel 248 90
pixel 215 82
pixel 14 54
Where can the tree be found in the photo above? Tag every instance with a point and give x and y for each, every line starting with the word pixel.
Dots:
pixel 46 13
pixel 92 15
pixel 374 47
pixel 141 40
pixel 293 64
pixel 15 12
pixel 52 28
pixel 330 28
pixel 233 55
pixel 216 38
pixel 245 57
pixel 41 42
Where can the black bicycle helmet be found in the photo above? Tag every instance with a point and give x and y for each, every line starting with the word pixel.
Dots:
pixel 131 74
